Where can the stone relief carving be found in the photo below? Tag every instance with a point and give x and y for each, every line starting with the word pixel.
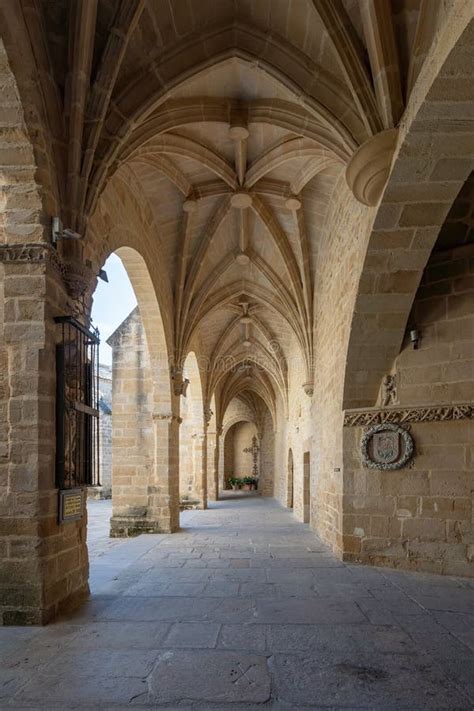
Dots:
pixel 387 447
pixel 365 418
pixel 33 253
pixel 388 390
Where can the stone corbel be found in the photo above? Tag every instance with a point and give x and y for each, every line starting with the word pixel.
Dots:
pixel 207 414
pixel 77 278
pixel 180 384
pixel 308 388
pixel 368 170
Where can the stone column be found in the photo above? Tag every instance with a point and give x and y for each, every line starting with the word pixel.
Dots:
pixel 200 469
pixel 159 510
pixel 163 491
pixel 213 466
pixel 43 565
pixel 220 460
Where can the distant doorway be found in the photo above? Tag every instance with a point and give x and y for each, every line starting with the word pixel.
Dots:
pixel 289 494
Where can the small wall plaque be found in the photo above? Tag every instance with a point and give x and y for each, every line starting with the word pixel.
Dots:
pixel 386 447
pixel 71 505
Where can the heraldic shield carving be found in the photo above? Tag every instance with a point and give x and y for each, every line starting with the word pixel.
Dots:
pixel 386 446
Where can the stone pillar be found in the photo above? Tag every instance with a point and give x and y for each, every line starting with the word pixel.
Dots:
pixel 159 511
pixel 44 565
pixel 213 466
pixel 163 489
pixel 220 460
pixel 200 469
pixel 132 428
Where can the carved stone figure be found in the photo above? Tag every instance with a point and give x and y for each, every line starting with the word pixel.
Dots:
pixel 388 390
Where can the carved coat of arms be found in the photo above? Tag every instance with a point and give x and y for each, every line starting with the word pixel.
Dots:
pixel 386 446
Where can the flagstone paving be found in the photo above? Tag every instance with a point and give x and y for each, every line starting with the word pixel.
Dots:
pixel 244 609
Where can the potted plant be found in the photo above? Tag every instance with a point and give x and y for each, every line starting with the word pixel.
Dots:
pixel 249 483
pixel 235 482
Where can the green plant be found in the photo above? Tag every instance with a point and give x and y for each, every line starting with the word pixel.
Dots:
pixel 235 481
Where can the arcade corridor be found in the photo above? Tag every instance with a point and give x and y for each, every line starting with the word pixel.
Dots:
pixel 244 608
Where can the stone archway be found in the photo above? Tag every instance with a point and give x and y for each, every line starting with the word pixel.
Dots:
pixel 141 413
pixel 432 161
pixel 238 459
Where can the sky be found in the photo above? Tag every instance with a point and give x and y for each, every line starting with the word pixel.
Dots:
pixel 112 304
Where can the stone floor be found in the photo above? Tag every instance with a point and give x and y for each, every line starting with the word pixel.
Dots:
pixel 244 609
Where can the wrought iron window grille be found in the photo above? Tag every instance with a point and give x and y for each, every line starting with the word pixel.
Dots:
pixel 77 405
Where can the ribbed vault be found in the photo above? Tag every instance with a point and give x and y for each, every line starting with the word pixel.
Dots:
pixel 230 123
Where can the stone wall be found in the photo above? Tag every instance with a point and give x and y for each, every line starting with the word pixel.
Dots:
pixel 243 461
pixel 421 517
pixel 416 518
pixel 266 484
pixel 441 369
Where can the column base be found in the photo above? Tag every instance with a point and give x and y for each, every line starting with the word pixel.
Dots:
pixel 27 617
pixel 128 527
pixel 191 504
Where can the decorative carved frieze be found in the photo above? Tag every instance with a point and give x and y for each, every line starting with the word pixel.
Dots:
pixel 76 276
pixel 34 253
pixel 168 416
pixel 434 413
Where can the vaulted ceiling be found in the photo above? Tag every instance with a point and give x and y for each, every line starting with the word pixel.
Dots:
pixel 235 119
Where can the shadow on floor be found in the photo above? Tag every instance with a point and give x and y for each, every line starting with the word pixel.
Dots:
pixel 229 495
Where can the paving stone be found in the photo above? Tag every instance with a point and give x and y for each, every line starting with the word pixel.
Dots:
pixel 339 641
pixel 106 662
pixel 121 635
pixel 192 634
pixel 70 689
pixel 340 636
pixel 161 608
pixel 146 589
pixel 243 636
pixel 210 676
pixel 459 625
pixel 395 680
pixel 450 601
pixel 308 611
pixel 218 588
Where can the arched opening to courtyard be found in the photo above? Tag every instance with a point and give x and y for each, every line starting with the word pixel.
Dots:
pixel 241 455
pixel 140 395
